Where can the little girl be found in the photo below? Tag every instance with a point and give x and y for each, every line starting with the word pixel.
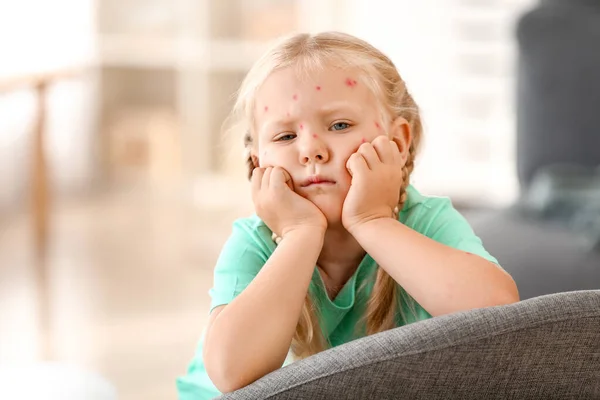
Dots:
pixel 341 246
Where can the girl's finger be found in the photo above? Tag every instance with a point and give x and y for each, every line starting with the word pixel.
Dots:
pixel 280 178
pixel 288 180
pixel 266 179
pixel 369 154
pixel 397 156
pixel 384 149
pixel 357 164
pixel 257 175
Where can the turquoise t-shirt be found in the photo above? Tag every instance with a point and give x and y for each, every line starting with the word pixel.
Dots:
pixel 341 319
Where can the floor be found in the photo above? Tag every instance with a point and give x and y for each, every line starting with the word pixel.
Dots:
pixel 123 288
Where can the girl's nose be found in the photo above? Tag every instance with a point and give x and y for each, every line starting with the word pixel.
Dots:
pixel 313 150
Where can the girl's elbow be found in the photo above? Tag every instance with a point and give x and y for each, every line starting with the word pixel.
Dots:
pixel 505 288
pixel 227 385
pixel 221 372
pixel 228 372
pixel 509 294
pixel 223 377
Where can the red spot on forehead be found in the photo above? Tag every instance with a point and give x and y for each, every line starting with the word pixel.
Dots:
pixel 295 97
pixel 350 82
pixel 266 108
pixel 301 126
pixel 318 87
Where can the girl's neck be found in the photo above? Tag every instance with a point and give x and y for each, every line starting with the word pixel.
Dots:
pixel 340 256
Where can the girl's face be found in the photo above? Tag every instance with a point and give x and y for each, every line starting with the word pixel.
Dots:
pixel 310 127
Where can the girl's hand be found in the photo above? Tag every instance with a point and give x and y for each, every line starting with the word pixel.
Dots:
pixel 282 209
pixel 376 170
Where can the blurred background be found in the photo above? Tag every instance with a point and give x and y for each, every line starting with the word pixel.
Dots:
pixel 117 187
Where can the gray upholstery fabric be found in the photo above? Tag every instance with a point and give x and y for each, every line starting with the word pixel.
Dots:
pixel 558 86
pixel 542 348
pixel 542 257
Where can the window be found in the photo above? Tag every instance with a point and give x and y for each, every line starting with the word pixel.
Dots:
pixel 458 59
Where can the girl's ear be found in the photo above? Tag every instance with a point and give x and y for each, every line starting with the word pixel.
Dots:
pixel 248 144
pixel 255 160
pixel 401 134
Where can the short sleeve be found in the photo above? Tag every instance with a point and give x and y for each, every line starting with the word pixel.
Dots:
pixel 245 252
pixel 450 227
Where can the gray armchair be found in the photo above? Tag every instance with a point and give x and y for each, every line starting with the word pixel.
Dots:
pixel 541 348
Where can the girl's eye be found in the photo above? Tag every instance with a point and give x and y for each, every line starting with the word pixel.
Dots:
pixel 286 137
pixel 338 126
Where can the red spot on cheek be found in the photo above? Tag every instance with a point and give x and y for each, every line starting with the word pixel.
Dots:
pixel 315 135
pixel 295 97
pixel 266 108
pixel 288 114
pixel 363 140
pixel 318 87
pixel 350 82
pixel 377 125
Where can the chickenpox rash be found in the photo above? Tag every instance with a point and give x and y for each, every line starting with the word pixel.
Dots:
pixel 266 108
pixel 351 82
pixel 318 87
pixel 301 126
pixel 315 136
pixel 377 125
pixel 295 97
pixel 363 141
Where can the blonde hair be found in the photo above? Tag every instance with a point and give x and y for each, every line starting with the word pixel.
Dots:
pixel 305 53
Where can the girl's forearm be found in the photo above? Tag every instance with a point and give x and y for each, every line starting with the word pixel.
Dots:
pixel 440 278
pixel 252 335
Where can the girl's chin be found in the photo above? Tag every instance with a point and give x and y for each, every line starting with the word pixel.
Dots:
pixel 332 211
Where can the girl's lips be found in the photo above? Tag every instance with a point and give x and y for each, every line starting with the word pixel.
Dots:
pixel 317 180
